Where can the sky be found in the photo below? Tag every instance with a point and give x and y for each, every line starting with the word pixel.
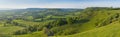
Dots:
pixel 58 3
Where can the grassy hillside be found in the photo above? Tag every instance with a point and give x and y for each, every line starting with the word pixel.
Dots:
pixel 90 22
pixel 111 30
pixel 102 24
pixel 96 20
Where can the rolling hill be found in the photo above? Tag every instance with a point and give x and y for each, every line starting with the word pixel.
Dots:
pixel 43 22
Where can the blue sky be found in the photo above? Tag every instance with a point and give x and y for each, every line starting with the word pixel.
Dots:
pixel 58 3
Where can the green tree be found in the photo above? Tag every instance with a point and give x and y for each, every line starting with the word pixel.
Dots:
pixel 69 20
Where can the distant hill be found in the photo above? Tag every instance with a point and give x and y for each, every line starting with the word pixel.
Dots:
pixel 5 9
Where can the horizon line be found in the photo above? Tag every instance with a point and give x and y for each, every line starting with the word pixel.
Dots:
pixel 49 7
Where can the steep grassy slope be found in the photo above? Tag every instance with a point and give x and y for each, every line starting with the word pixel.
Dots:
pixel 112 30
pixel 102 24
pixel 96 20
